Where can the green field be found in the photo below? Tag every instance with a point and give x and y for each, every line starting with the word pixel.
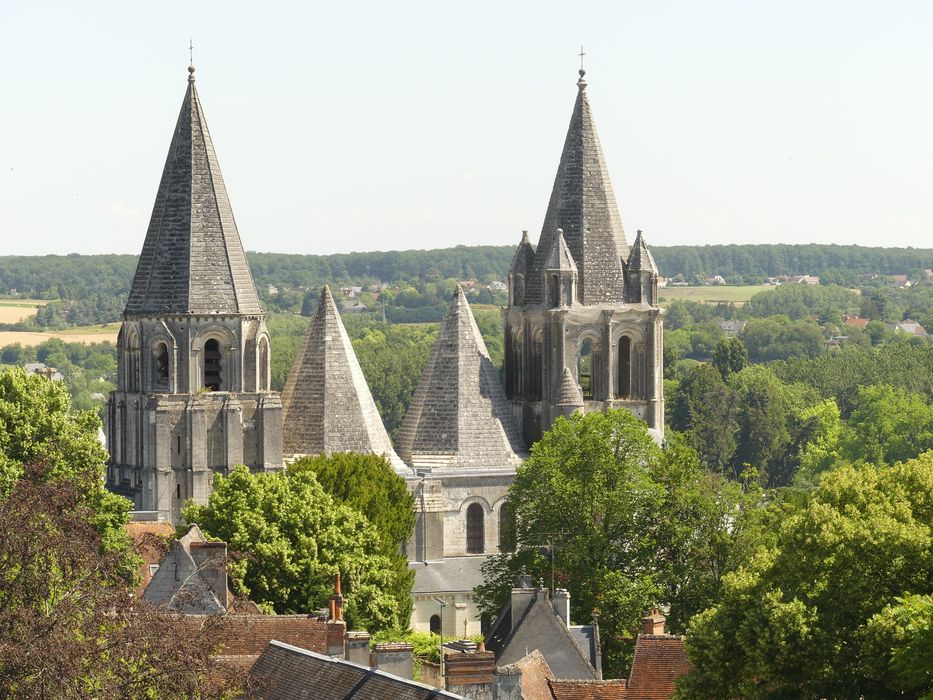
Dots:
pixel 737 295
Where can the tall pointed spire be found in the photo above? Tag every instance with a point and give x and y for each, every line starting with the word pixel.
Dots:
pixel 583 204
pixel 459 416
pixel 328 405
pixel 641 258
pixel 192 261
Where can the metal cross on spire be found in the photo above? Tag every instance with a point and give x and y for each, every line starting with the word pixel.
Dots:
pixel 191 51
pixel 581 55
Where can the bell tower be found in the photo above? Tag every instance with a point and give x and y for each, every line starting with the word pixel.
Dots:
pixel 192 395
pixel 583 304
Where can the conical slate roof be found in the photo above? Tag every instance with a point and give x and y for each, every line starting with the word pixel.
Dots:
pixel 641 258
pixel 459 416
pixel 327 403
pixel 568 393
pixel 560 257
pixel 524 259
pixel 584 206
pixel 192 261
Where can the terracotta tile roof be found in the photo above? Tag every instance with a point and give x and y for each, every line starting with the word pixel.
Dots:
pixel 659 660
pixel 535 675
pixel 589 690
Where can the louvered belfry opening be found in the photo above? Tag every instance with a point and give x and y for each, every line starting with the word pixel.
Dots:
pixel 474 527
pixel 212 365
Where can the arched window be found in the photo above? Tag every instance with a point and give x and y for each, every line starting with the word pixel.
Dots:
pixel 160 358
pixel 132 362
pixel 625 367
pixel 554 290
pixel 518 289
pixel 506 527
pixel 435 624
pixel 585 368
pixel 212 365
pixel 474 529
pixel 263 365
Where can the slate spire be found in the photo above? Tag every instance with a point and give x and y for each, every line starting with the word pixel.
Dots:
pixel 583 205
pixel 327 403
pixel 641 258
pixel 459 416
pixel 192 261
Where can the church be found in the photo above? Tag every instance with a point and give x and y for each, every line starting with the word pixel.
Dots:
pixel 583 332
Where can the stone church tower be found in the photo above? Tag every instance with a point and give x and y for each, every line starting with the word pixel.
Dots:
pixel 192 395
pixel 583 305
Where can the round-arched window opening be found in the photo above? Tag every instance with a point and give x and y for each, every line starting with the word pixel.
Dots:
pixel 212 365
pixel 161 364
pixel 585 368
pixel 625 367
pixel 475 529
pixel 435 624
pixel 554 290
pixel 263 365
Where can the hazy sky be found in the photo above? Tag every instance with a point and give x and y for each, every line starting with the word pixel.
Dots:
pixel 391 125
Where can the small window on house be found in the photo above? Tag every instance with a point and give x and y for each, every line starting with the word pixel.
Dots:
pixel 212 365
pixel 435 624
pixel 585 368
pixel 625 367
pixel 161 364
pixel 554 290
pixel 474 529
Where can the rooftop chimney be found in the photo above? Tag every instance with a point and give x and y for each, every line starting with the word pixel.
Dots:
pixel 562 605
pixel 395 658
pixel 653 622
pixel 336 601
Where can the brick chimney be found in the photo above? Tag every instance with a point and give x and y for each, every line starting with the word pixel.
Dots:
pixel 562 605
pixel 653 622
pixel 336 601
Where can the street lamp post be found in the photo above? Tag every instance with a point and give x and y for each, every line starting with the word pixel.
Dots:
pixel 443 604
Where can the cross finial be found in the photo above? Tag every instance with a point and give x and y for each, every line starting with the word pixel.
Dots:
pixel 191 51
pixel 581 55
pixel 581 83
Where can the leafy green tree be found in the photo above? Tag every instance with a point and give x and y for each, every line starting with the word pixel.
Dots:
pixel 632 525
pixel 367 483
pixel 293 539
pixel 705 408
pixel 730 356
pixel 889 425
pixel 900 646
pixel 37 426
pixel 794 620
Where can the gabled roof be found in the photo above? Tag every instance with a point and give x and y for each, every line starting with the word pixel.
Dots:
pixel 641 258
pixel 539 627
pixel 192 261
pixel 660 659
pixel 560 257
pixel 185 585
pixel 535 674
pixel 459 416
pixel 327 403
pixel 583 205
pixel 286 672
pixel 568 393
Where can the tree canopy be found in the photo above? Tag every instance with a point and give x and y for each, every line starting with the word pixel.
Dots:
pixel 822 608
pixel 291 538
pixel 633 526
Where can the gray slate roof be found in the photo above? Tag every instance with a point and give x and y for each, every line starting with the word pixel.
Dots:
pixel 524 259
pixel 327 403
pixel 286 672
pixel 583 204
pixel 560 257
pixel 641 258
pixel 192 261
pixel 570 652
pixel 568 393
pixel 459 416
pixel 180 584
pixel 448 575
